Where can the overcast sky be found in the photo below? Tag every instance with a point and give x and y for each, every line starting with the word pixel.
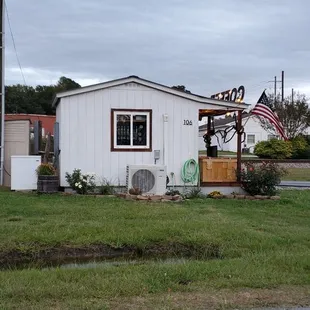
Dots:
pixel 206 45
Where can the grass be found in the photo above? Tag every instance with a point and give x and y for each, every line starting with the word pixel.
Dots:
pixel 227 153
pixel 265 248
pixel 297 174
pixel 232 154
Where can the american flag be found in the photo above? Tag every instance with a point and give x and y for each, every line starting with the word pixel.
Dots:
pixel 262 109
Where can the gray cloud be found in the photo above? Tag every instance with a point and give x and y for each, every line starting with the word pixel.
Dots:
pixel 209 46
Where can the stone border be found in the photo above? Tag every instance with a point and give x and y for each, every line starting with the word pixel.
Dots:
pixel 177 198
pixel 153 198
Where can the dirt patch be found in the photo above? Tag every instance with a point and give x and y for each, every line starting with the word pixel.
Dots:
pixel 56 256
pixel 291 296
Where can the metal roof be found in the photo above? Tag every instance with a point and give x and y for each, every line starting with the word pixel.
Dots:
pixel 147 83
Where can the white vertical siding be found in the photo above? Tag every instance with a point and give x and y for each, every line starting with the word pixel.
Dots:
pixel 85 131
pixel 16 142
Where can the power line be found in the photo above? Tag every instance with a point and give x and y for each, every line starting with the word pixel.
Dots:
pixel 14 45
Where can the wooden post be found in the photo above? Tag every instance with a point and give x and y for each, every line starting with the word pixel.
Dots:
pixel 209 124
pixel 47 149
pixel 239 147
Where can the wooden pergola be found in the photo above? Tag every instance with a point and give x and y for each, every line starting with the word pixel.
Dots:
pixel 210 114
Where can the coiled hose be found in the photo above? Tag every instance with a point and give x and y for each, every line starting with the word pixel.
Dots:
pixel 190 171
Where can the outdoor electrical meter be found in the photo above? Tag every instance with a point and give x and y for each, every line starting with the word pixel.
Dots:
pixel 156 155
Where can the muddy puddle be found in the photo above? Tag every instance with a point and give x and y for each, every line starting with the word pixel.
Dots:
pixel 92 256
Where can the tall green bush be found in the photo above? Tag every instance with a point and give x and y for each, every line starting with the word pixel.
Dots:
pixel 301 149
pixel 274 149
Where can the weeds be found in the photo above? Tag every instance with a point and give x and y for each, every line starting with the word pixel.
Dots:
pixel 106 188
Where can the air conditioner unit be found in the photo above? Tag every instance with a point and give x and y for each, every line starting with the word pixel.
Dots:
pixel 150 179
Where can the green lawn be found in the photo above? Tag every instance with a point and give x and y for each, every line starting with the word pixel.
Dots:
pixel 264 246
pixel 229 153
pixel 297 174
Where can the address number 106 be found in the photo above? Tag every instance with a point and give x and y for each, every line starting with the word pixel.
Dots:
pixel 187 122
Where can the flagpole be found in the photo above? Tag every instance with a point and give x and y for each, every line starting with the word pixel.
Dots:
pixel 282 86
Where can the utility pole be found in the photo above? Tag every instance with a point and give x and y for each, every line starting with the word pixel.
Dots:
pixel 275 89
pixel 2 89
pixel 282 86
pixel 292 95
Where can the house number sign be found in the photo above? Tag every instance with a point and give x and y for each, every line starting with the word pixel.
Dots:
pixel 187 122
pixel 234 94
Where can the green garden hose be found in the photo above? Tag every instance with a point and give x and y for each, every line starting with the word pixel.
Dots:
pixel 190 171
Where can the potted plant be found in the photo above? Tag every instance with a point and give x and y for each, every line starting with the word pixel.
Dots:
pixel 47 179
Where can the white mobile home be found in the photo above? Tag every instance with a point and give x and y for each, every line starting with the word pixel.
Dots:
pixel 254 133
pixel 131 121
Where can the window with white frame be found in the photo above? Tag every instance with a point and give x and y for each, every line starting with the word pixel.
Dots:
pixel 250 139
pixel 131 130
pixel 270 137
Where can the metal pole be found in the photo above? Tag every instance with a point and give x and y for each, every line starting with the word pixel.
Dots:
pixel 282 86
pixel 292 95
pixel 2 89
pixel 275 89
pixel 239 147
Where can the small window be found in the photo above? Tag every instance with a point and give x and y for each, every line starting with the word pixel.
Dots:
pixel 250 139
pixel 270 137
pixel 131 130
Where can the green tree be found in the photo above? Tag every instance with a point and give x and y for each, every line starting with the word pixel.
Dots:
pixel 65 83
pixel 295 116
pixel 44 96
pixel 21 99
pixel 35 100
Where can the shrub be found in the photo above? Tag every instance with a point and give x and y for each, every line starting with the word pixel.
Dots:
pixel 193 193
pixel 46 169
pixel 261 179
pixel 274 149
pixel 81 183
pixel 305 154
pixel 300 148
pixel 106 188
pixel 214 194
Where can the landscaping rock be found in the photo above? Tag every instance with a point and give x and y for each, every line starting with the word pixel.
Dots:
pixel 122 195
pixel 155 198
pixel 176 197
pixel 250 197
pixel 166 200
pixel 240 196
pixel 140 197
pixel 167 197
pixel 275 197
pixel 229 196
pixel 260 197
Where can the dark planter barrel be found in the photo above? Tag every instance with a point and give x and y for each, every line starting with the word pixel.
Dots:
pixel 48 184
